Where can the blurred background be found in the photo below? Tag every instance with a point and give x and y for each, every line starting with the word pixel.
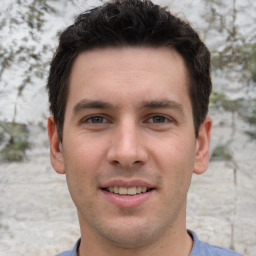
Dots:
pixel 37 216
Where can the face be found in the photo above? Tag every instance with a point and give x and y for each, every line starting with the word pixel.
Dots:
pixel 129 148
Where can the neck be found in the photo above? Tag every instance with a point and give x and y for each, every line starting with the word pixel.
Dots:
pixel 163 248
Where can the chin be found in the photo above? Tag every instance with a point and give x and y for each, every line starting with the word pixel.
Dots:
pixel 133 234
pixel 130 240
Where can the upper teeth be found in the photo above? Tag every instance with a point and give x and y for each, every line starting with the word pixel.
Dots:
pixel 127 191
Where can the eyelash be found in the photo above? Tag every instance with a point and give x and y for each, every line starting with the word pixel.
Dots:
pixel 91 118
pixel 163 119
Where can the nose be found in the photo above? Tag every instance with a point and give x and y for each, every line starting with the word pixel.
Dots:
pixel 127 147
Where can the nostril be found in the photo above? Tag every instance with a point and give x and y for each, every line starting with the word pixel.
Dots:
pixel 115 162
pixel 126 164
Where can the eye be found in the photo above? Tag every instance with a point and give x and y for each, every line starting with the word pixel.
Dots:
pixel 95 120
pixel 158 119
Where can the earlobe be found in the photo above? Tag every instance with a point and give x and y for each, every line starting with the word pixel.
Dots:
pixel 56 151
pixel 202 146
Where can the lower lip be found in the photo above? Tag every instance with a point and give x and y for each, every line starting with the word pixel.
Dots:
pixel 127 201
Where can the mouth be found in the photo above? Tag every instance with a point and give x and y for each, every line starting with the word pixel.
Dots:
pixel 128 194
pixel 130 191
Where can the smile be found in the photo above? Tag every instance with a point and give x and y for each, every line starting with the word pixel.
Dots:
pixel 131 191
pixel 127 195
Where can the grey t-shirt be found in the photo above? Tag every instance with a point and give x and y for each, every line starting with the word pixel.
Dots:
pixel 199 249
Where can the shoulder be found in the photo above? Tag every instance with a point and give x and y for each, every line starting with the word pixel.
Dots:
pixel 66 253
pixel 205 249
pixel 223 252
pixel 211 250
pixel 73 252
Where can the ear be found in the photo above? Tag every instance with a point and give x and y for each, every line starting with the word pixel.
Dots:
pixel 56 151
pixel 202 146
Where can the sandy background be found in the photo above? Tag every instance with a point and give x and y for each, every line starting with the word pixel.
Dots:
pixel 37 216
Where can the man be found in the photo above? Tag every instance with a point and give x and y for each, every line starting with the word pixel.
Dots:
pixel 129 89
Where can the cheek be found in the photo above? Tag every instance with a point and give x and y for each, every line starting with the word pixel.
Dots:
pixel 82 153
pixel 82 163
pixel 175 160
pixel 81 170
pixel 175 153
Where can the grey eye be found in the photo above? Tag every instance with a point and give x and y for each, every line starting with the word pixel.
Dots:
pixel 96 119
pixel 158 119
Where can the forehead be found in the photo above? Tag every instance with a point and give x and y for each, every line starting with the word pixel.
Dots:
pixel 136 71
pixel 163 59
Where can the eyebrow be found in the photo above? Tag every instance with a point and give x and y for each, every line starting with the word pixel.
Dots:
pixel 150 104
pixel 165 103
pixel 91 104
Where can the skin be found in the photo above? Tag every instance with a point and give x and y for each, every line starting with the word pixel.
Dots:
pixel 129 120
